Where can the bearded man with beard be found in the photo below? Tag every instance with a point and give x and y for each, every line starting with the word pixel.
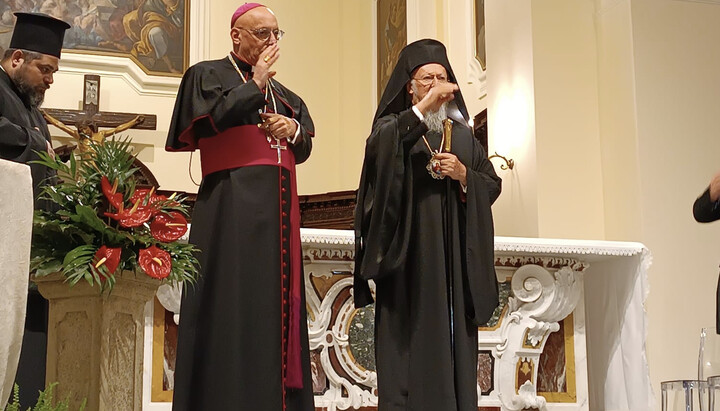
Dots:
pixel 26 72
pixel 424 234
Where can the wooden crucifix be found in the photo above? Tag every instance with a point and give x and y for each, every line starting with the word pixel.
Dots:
pixel 88 121
pixel 90 115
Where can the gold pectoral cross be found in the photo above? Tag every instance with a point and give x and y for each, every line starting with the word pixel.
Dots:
pixel 278 147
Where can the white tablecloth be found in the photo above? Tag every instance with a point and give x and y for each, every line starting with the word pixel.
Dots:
pixel 16 212
pixel 616 287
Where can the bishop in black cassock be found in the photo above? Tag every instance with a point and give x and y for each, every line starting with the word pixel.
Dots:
pixel 242 342
pixel 426 241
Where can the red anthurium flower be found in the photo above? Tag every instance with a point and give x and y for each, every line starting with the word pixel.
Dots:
pixel 155 261
pixel 132 217
pixel 144 194
pixel 167 227
pixel 115 199
pixel 110 257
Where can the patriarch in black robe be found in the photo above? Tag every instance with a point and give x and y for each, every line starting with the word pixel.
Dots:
pixel 424 234
pixel 26 72
pixel 242 339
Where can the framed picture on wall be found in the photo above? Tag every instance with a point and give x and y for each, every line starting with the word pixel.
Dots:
pixel 480 32
pixel 392 37
pixel 153 33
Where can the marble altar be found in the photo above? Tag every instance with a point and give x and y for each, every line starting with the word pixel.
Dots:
pixel 569 334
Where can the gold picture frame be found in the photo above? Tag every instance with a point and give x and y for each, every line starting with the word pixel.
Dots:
pixel 155 34
pixel 392 37
pixel 479 19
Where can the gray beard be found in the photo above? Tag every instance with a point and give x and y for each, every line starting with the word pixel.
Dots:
pixel 33 96
pixel 434 119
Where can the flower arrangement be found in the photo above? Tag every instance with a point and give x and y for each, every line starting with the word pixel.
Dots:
pixel 104 224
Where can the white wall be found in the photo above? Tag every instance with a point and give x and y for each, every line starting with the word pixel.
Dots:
pixel 511 113
pixel 618 117
pixel 569 178
pixel 676 55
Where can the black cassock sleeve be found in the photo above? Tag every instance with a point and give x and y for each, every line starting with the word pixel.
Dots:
pixel 17 143
pixel 381 235
pixel 382 195
pixel 483 188
pixel 705 210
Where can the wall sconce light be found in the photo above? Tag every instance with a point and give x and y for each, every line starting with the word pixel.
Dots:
pixel 509 163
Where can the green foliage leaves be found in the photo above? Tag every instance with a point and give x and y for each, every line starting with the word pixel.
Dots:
pixel 44 401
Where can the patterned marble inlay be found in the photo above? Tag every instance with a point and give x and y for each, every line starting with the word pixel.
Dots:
pixel 504 290
pixel 315 254
pixel 319 378
pixel 169 350
pixel 552 363
pixel 524 372
pixel 322 284
pixel 485 371
pixel 361 336
pixel 546 262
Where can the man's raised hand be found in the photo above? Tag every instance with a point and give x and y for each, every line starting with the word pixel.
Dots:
pixel 266 59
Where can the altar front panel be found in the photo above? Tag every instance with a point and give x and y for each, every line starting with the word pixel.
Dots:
pixel 531 354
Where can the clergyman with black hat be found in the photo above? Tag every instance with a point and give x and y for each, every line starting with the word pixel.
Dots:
pixel 26 72
pixel 424 234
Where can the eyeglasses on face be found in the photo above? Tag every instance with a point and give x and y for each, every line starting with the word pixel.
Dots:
pixel 263 33
pixel 428 79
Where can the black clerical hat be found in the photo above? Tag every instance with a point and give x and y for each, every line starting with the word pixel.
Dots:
pixel 38 32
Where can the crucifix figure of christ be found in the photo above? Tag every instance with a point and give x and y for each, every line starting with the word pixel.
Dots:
pixel 89 120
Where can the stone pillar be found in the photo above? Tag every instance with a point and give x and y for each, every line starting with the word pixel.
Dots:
pixel 95 341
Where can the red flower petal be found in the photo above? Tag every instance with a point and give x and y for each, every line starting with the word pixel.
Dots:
pixel 167 227
pixel 132 217
pixel 115 199
pixel 142 194
pixel 110 257
pixel 155 261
